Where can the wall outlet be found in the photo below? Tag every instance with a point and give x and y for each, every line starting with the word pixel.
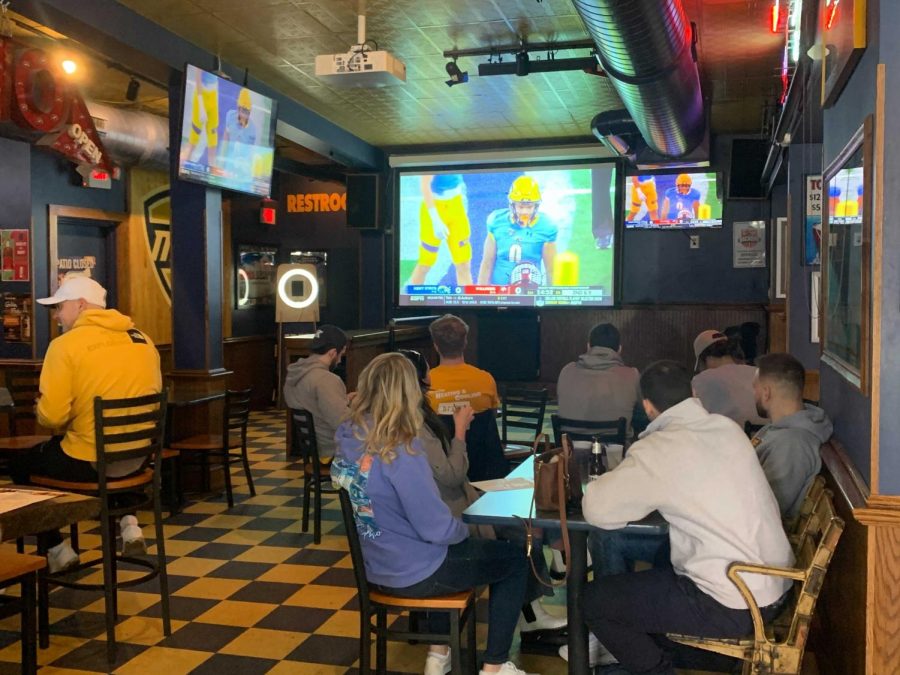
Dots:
pixel 695 241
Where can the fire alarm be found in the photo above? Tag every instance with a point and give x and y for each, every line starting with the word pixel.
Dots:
pixel 267 211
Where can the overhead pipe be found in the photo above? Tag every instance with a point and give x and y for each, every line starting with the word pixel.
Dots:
pixel 646 47
pixel 132 137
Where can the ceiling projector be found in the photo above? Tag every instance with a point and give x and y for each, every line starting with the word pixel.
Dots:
pixel 360 67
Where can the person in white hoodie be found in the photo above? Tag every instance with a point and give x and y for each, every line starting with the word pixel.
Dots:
pixel 700 472
pixel 312 385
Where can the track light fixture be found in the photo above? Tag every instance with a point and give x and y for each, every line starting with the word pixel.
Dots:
pixel 134 87
pixel 456 75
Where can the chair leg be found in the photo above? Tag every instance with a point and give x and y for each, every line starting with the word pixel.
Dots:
pixel 365 643
pixel 246 462
pixel 29 625
pixel 108 540
pixel 381 641
pixel 226 467
pixel 73 536
pixel 471 625
pixel 317 517
pixel 43 601
pixel 307 483
pixel 20 545
pixel 161 564
pixel 455 654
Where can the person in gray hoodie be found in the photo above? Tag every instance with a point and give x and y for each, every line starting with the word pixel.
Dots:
pixel 787 447
pixel 311 384
pixel 599 386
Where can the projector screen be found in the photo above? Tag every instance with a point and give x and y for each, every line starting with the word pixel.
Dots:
pixel 521 237
pixel 672 200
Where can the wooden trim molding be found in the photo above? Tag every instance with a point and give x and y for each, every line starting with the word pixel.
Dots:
pixel 850 483
pixel 877 254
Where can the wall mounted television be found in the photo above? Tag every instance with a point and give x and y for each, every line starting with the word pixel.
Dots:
pixel 524 236
pixel 227 134
pixel 672 200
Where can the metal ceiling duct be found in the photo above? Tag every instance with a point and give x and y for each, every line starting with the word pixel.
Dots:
pixel 645 47
pixel 132 137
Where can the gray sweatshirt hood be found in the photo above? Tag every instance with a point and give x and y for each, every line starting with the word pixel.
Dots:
pixel 811 419
pixel 301 368
pixel 600 358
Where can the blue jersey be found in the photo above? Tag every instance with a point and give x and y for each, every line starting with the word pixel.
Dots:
pixel 517 245
pixel 235 133
pixel 445 182
pixel 681 206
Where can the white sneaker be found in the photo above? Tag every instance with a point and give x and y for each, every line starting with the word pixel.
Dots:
pixel 508 668
pixel 543 620
pixel 437 664
pixel 598 655
pixel 61 557
pixel 133 543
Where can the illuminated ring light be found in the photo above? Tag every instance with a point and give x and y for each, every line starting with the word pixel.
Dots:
pixel 313 284
pixel 245 298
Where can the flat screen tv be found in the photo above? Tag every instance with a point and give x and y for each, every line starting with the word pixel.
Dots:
pixel 227 134
pixel 671 200
pixel 512 237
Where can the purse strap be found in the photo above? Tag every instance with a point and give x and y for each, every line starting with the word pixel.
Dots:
pixel 561 477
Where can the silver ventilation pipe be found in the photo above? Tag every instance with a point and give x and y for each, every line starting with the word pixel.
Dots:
pixel 646 49
pixel 132 137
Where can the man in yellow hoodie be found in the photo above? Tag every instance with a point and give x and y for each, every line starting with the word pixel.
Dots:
pixel 100 353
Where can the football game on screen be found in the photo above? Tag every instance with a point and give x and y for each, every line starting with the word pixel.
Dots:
pixel 526 237
pixel 672 200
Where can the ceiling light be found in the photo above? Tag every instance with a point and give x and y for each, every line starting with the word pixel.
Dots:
pixel 456 75
pixel 69 66
pixel 134 87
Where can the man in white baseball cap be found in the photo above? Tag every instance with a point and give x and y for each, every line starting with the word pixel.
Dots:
pixel 100 353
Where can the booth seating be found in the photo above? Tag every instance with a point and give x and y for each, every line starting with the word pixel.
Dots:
pixel 460 607
pixel 125 423
pixel 778 649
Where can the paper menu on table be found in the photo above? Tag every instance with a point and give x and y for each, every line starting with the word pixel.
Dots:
pixel 12 499
pixel 498 484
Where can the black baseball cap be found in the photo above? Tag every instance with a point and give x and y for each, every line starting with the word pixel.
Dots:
pixel 328 337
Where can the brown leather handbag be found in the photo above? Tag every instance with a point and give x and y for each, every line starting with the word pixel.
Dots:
pixel 557 485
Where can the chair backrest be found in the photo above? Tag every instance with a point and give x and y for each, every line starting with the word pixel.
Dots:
pixel 303 437
pixel 129 428
pixel 485 450
pixel 24 388
pixel 611 431
pixel 356 555
pixel 750 429
pixel 798 530
pixel 522 409
pixel 237 412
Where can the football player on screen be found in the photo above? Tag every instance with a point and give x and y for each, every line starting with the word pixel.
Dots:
pixel 519 239
pixel 682 202
pixel 204 117
pixel 643 196
pixel 443 217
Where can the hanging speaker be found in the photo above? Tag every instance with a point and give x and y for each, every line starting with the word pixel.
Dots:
pixel 363 203
pixel 296 293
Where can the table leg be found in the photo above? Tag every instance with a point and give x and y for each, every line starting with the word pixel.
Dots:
pixel 29 624
pixel 578 639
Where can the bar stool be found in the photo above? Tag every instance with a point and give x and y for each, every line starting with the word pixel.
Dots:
pixel 19 568
pixel 120 425
pixel 219 446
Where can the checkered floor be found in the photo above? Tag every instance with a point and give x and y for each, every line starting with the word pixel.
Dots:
pixel 250 593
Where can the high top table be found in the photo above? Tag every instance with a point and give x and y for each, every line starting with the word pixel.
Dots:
pixel 508 507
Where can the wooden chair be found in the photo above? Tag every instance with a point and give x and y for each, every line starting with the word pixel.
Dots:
pixel 799 528
pixel 16 568
pixel 460 607
pixel 778 649
pixel 612 431
pixel 24 388
pixel 125 429
pixel 316 474
pixel 218 447
pixel 522 410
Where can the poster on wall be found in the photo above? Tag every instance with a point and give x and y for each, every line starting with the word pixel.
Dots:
pixel 16 317
pixel 16 257
pixel 749 243
pixel 812 224
pixel 75 266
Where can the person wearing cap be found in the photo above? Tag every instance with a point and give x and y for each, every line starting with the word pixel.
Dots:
pixel 312 385
pixel 724 383
pixel 100 353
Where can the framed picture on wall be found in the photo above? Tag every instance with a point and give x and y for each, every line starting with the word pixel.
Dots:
pixel 842 34
pixel 812 225
pixel 846 259
pixel 255 277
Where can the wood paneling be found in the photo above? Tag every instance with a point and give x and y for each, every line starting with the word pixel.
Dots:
pixel 252 362
pixel 142 294
pixel 778 332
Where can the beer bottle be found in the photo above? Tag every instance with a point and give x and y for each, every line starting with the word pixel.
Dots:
pixel 597 466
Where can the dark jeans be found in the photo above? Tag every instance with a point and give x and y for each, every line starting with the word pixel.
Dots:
pixel 515 534
pixel 615 552
pixel 630 613
pixel 476 562
pixel 51 461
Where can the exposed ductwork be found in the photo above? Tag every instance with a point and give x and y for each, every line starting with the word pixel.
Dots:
pixel 646 49
pixel 132 137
